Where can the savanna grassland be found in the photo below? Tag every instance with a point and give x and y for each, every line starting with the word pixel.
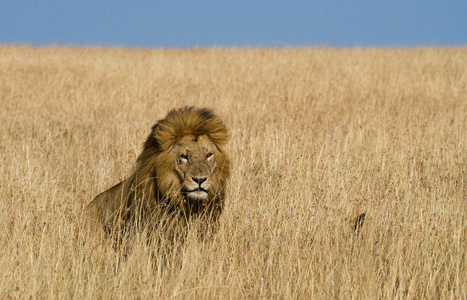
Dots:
pixel 318 136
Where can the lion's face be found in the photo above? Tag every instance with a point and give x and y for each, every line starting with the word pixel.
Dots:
pixel 195 164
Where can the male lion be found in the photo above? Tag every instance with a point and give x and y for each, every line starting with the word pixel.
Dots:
pixel 180 176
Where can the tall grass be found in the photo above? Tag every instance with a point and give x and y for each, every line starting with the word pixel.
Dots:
pixel 317 137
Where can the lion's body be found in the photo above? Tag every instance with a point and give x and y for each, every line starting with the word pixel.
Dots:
pixel 180 175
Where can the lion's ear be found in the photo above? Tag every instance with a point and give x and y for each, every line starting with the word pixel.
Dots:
pixel 154 127
pixel 218 133
pixel 151 141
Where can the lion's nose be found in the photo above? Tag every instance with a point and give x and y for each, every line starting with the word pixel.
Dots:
pixel 199 180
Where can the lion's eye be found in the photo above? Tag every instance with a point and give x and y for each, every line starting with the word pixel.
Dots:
pixel 209 156
pixel 183 159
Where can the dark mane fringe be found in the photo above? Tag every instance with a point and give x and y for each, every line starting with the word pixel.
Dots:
pixel 190 121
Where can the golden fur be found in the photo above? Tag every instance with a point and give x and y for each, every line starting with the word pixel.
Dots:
pixel 180 175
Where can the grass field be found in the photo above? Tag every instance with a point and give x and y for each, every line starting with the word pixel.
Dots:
pixel 317 136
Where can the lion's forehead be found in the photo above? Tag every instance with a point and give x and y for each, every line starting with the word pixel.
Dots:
pixel 193 146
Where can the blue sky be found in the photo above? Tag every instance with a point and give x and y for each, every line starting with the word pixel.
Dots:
pixel 176 23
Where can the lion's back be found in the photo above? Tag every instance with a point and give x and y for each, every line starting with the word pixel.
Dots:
pixel 103 209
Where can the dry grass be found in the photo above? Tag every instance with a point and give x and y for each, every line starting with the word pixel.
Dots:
pixel 317 136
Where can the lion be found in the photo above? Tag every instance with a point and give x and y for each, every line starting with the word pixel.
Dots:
pixel 180 175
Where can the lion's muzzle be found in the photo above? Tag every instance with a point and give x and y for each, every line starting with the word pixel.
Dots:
pixel 197 189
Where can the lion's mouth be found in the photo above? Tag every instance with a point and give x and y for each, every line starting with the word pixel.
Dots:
pixel 198 194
